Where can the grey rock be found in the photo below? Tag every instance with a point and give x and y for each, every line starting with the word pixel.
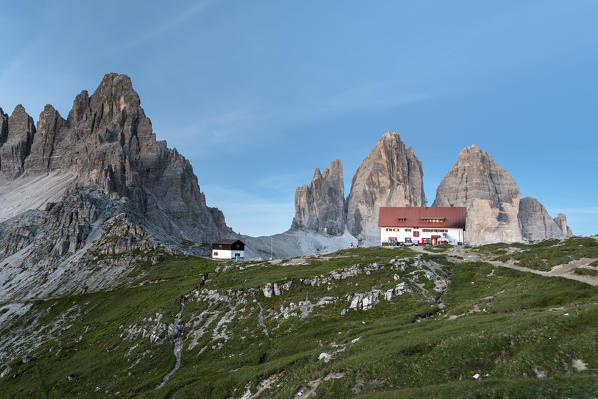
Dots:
pixel 389 176
pixel 536 223
pixel 268 290
pixel 108 142
pixel 49 126
pixel 320 206
pixel 3 127
pixel 17 144
pixel 489 193
pixel 561 221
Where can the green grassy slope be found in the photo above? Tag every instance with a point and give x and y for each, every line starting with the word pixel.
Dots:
pixel 525 335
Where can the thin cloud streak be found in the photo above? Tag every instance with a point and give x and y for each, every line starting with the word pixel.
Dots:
pixel 169 25
pixel 234 124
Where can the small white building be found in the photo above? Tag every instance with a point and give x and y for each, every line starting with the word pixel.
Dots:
pixel 228 249
pixel 422 225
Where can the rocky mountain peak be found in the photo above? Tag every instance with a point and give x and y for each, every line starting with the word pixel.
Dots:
pixel 108 142
pixel 478 176
pixel 490 194
pixel 390 175
pixel 320 206
pixel 18 136
pixel 3 127
pixel 561 221
pixel 536 223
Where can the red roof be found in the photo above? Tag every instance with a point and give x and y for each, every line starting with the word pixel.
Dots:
pixel 439 216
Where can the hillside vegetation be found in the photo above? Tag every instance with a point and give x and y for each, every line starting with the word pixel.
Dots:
pixel 374 322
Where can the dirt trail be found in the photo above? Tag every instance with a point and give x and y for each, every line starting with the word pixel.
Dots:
pixel 178 346
pixel 564 271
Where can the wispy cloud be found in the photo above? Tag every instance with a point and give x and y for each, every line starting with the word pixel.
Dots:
pixel 373 96
pixel 171 23
pixel 236 124
pixel 16 63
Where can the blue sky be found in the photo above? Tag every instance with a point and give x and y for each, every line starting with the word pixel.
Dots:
pixel 258 94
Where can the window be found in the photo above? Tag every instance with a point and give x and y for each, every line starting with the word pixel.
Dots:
pixel 215 253
pixel 407 229
pixel 416 234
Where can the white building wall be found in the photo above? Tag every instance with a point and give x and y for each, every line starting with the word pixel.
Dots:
pixel 227 253
pixel 403 234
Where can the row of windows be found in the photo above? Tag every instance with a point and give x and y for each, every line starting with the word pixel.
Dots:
pixel 433 220
pixel 424 230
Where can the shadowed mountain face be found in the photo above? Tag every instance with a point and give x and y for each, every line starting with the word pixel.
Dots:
pixel 320 206
pixel 536 223
pixel 108 142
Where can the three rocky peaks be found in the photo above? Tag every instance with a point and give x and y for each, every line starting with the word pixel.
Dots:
pixel 106 146
pixel 392 176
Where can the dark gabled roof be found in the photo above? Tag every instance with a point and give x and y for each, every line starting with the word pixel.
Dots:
pixel 420 216
pixel 229 244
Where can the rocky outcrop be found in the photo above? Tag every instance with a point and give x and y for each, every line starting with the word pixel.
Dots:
pixel 320 206
pixel 389 176
pixel 536 223
pixel 489 193
pixel 49 126
pixel 18 135
pixel 561 221
pixel 108 142
pixel 3 127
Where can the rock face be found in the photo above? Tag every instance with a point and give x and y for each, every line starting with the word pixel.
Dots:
pixel 489 193
pixel 18 133
pixel 320 206
pixel 108 142
pixel 84 199
pixel 389 176
pixel 561 221
pixel 3 127
pixel 536 223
